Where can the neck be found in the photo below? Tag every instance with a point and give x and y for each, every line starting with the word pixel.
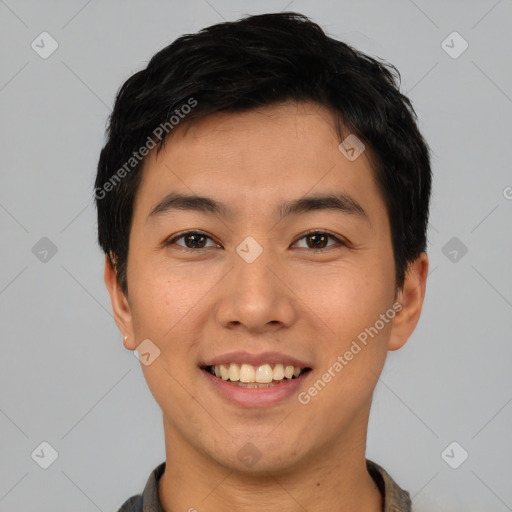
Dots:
pixel 336 478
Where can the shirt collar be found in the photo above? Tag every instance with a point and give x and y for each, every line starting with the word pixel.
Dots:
pixel 394 498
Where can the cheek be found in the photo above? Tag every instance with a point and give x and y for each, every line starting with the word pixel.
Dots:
pixel 161 299
pixel 353 357
pixel 166 310
pixel 354 348
pixel 349 299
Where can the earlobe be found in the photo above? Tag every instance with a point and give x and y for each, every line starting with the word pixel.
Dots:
pixel 410 298
pixel 128 345
pixel 120 306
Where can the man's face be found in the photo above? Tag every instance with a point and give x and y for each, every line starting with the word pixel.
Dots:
pixel 254 288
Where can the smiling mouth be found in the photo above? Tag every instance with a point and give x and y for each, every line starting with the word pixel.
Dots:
pixel 249 376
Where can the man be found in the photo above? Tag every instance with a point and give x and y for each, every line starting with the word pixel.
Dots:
pixel 263 202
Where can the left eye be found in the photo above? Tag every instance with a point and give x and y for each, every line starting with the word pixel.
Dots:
pixel 196 240
pixel 319 239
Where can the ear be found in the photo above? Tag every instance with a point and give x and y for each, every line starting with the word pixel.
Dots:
pixel 411 299
pixel 120 306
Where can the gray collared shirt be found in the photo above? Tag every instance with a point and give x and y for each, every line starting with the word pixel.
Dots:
pixel 394 498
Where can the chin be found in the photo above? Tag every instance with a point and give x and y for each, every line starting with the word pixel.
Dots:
pixel 259 456
pixel 263 465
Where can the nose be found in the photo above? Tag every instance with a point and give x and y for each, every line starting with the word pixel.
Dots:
pixel 257 295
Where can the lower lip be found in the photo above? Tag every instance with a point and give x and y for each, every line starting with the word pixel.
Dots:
pixel 256 397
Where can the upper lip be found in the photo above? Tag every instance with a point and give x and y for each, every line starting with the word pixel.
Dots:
pixel 256 359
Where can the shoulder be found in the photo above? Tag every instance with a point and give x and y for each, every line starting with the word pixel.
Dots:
pixel 133 504
pixel 148 500
pixel 395 499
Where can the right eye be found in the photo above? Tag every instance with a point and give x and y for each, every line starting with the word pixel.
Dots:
pixel 193 241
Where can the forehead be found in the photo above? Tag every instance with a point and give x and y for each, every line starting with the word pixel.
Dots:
pixel 254 158
pixel 278 129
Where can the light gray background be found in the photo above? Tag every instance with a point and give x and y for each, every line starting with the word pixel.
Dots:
pixel 65 377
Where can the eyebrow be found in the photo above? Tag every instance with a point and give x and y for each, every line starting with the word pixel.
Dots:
pixel 340 202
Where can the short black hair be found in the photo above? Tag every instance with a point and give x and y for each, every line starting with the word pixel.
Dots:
pixel 254 62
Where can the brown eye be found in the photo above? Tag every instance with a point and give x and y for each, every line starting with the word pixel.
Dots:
pixel 192 240
pixel 319 240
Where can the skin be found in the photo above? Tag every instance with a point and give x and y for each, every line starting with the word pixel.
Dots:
pixel 292 299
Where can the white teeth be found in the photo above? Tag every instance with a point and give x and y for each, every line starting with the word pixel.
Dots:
pixel 288 372
pixel 264 373
pixel 247 373
pixel 278 372
pixel 233 372
pixel 224 371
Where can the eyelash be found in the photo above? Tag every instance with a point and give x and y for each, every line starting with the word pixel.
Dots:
pixel 339 243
